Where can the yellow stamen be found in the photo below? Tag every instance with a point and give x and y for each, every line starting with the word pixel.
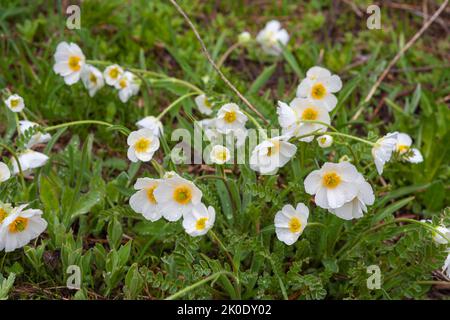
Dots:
pixel 142 145
pixel 207 103
pixel 150 194
pixel 230 117
pixel 114 73
pixel 273 150
pixel 18 225
pixel 318 91
pixel 294 225
pixel 3 214
pixel 201 224
pixel 309 114
pixel 182 194
pixel 92 78
pixel 123 83
pixel 222 155
pixel 14 103
pixel 331 180
pixel 74 63
pixel 402 148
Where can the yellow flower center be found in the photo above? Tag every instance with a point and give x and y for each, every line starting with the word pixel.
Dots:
pixel 309 114
pixel 182 194
pixel 92 78
pixel 201 224
pixel 294 225
pixel 331 180
pixel 18 225
pixel 3 214
pixel 221 155
pixel 230 117
pixel 323 140
pixel 273 150
pixel 318 91
pixel 114 73
pixel 207 103
pixel 74 63
pixel 402 148
pixel 123 83
pixel 14 103
pixel 142 145
pixel 150 195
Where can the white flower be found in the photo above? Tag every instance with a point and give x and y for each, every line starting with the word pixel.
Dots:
pixel 128 86
pixel 199 220
pixel 440 239
pixel 271 36
pixel 92 79
pixel 5 174
pixel 113 74
pixel 15 103
pixel 203 104
pixel 446 267
pixel 29 159
pixel 290 222
pixel 334 184
pixel 219 154
pixel 403 147
pixel 291 118
pixel 319 85
pixel 272 154
pixel 35 139
pixel 152 123
pixel 244 37
pixel 325 141
pixel 142 145
pixel 20 227
pixel 230 118
pixel 382 151
pixel 69 62
pixel 356 208
pixel 176 197
pixel 144 200
pixel 237 136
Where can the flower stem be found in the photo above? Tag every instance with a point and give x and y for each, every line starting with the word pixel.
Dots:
pixel 173 104
pixel 13 153
pixel 80 122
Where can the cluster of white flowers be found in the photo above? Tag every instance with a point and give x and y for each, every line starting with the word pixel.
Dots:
pixel 70 63
pixel 18 226
pixel 173 198
pixel 395 142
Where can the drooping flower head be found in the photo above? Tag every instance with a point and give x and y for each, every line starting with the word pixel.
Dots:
pixel 28 160
pixel 403 148
pixel 320 86
pixel 325 141
pixel 15 103
pixel 203 104
pixel 199 220
pixel 144 201
pixel 271 36
pixel 290 222
pixel 142 145
pixel 382 151
pixel 69 62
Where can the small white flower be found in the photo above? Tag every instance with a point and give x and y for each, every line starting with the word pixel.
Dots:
pixel 92 79
pixel 199 220
pixel 219 154
pixel 20 227
pixel 15 103
pixel 356 208
pixel 128 86
pixel 292 118
pixel 271 36
pixel 112 74
pixel 152 123
pixel 244 37
pixel 319 85
pixel 333 185
pixel 446 267
pixel 69 62
pixel 176 197
pixel 290 222
pixel 440 239
pixel 325 141
pixel 203 104
pixel 403 148
pixel 142 145
pixel 382 151
pixel 272 154
pixel 144 200
pixel 237 136
pixel 28 160
pixel 37 138
pixel 230 118
pixel 5 174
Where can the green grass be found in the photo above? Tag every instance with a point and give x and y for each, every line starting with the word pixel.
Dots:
pixel 84 189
